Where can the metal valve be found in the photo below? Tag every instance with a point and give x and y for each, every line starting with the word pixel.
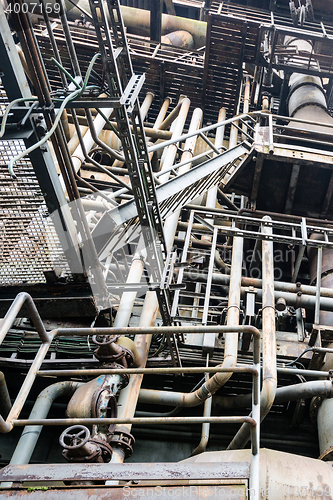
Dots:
pixel 74 437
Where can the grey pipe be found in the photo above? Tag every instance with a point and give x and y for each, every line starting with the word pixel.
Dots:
pixel 291 298
pixel 269 382
pixel 283 395
pixel 30 434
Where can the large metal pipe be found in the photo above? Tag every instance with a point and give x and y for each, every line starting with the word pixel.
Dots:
pixel 138 22
pixel 128 396
pixel 269 380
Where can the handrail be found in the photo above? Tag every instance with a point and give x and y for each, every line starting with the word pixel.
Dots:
pixel 46 338
pixel 251 115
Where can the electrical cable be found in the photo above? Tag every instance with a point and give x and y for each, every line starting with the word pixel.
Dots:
pixel 299 357
pixel 70 97
pixel 9 107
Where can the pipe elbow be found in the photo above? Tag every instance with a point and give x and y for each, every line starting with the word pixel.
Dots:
pixel 5 427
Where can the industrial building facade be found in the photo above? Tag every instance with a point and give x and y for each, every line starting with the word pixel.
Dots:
pixel 166 290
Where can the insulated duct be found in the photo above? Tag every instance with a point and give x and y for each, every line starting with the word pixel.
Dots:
pixel 307 101
pixel 138 22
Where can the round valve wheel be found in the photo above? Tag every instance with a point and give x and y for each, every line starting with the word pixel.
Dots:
pixel 104 339
pixel 74 437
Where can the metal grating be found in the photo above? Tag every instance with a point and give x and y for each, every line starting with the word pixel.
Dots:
pixel 29 243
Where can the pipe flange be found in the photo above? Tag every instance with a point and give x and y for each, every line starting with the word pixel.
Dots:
pixel 106 449
pixel 314 407
pixel 91 458
pixel 125 357
pixel 327 455
pixel 104 405
pixel 302 83
pixel 123 440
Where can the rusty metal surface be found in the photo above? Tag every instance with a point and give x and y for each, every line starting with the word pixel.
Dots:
pixel 214 492
pixel 124 472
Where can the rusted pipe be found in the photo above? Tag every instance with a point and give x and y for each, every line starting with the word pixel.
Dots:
pixel 134 421
pixel 125 308
pixel 138 21
pixel 179 38
pixel 171 116
pixel 269 382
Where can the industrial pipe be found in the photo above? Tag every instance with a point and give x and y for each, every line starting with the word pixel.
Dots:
pixel 293 392
pixel 129 396
pixel 28 440
pixel 269 382
pixel 283 394
pixel 306 300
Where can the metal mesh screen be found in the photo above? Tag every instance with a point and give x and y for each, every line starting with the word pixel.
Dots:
pixel 29 243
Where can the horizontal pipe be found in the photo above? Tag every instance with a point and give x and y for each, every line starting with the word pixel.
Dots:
pixel 147 371
pixel 134 421
pixel 283 394
pixel 292 299
pixel 282 286
pixel 152 330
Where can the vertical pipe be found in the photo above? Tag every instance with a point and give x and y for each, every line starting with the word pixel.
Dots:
pixel 162 112
pixel 230 338
pixel 318 283
pixel 146 105
pixel 269 384
pixel 246 104
pixel 125 308
pixel 169 155
pixel 206 426
pixel 128 298
pixel 128 396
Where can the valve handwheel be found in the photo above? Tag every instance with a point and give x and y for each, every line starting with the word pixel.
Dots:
pixel 104 339
pixel 74 437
